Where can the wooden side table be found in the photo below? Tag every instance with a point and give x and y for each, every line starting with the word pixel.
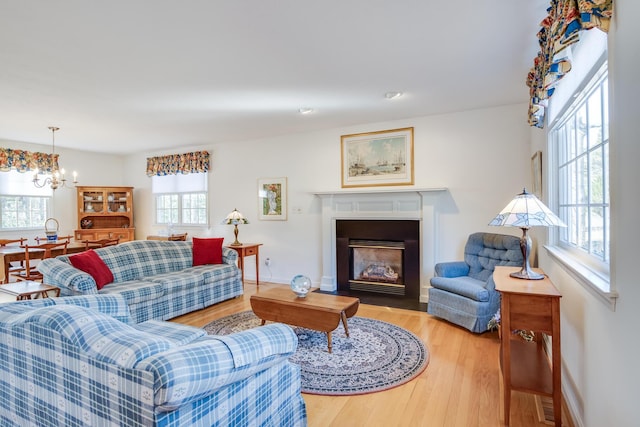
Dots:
pixel 248 249
pixel 530 305
pixel 27 289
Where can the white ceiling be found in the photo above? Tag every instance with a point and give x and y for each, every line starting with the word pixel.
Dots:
pixel 124 76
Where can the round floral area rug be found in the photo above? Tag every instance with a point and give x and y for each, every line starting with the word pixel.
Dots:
pixel 376 356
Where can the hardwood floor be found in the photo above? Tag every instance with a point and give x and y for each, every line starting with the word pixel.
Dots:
pixel 461 386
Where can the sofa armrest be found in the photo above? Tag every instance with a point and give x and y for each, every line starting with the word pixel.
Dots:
pixel 191 372
pixel 69 279
pixel 452 269
pixel 229 256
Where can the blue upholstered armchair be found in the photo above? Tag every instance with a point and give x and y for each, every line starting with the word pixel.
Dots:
pixel 463 292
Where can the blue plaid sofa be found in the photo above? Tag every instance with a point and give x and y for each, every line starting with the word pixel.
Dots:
pixel 83 361
pixel 156 278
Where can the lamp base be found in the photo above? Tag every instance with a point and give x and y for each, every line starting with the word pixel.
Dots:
pixel 235 233
pixel 527 274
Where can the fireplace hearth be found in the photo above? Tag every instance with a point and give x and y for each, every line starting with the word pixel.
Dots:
pixel 378 256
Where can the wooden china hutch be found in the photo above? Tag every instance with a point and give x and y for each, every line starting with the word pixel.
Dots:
pixel 105 213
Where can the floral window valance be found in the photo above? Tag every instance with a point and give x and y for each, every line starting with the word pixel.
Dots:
pixel 560 29
pixel 173 164
pixel 24 161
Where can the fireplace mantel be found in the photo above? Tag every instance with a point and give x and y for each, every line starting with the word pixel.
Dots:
pixel 380 203
pixel 378 191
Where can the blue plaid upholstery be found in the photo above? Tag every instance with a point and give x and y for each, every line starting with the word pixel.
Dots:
pixel 155 277
pixel 67 361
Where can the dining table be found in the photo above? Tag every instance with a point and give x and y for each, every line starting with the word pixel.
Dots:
pixel 11 254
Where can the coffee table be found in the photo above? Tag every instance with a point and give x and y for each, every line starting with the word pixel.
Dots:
pixel 319 312
pixel 26 289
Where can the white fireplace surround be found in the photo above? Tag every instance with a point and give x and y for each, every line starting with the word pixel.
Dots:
pixel 383 204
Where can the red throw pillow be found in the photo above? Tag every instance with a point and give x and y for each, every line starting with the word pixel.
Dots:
pixel 91 263
pixel 207 251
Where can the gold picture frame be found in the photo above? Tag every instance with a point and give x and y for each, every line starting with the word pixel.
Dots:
pixel 272 199
pixel 378 158
pixel 536 173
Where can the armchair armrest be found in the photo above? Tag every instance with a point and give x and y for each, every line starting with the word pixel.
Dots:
pixel 452 269
pixel 191 372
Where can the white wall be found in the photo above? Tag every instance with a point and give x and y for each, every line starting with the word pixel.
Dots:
pixel 93 169
pixel 482 156
pixel 599 346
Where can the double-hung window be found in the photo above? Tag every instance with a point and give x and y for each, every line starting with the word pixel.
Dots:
pixel 579 148
pixel 23 206
pixel 582 143
pixel 181 199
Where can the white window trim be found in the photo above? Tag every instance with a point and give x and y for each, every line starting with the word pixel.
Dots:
pixel 586 277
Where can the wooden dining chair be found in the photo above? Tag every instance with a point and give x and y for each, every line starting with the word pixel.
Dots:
pixel 100 243
pixel 35 253
pixel 5 242
pixel 177 237
pixel 40 240
pixel 13 267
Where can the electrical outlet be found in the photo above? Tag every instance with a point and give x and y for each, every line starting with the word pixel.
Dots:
pixel 267 262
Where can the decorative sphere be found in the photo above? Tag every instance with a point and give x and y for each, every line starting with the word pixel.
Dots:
pixel 300 285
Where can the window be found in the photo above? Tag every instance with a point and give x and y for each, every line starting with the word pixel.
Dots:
pixel 181 199
pixel 22 205
pixel 580 144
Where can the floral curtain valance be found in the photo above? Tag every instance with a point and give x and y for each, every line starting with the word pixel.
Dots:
pixel 24 161
pixel 173 164
pixel 560 29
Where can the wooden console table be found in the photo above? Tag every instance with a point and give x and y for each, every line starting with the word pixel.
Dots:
pixel 248 249
pixel 530 305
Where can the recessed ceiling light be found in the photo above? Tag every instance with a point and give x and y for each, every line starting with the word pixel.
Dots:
pixel 392 95
pixel 305 110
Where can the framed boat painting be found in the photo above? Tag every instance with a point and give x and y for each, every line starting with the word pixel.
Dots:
pixel 376 159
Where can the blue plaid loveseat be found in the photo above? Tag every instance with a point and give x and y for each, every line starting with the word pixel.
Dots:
pixel 83 361
pixel 156 278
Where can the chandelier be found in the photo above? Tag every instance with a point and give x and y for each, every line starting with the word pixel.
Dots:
pixel 57 179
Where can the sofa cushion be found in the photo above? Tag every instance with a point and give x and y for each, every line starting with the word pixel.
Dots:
pixel 91 263
pixel 136 291
pixel 139 259
pixel 207 251
pixel 176 333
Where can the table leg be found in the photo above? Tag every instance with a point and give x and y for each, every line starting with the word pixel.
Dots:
pixel 329 341
pixel 241 265
pixel 343 316
pixel 6 263
pixel 257 268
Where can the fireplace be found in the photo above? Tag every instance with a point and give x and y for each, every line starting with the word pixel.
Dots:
pixel 419 206
pixel 378 256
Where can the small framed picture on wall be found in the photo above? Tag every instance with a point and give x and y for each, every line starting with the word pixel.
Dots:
pixel 272 199
pixel 536 173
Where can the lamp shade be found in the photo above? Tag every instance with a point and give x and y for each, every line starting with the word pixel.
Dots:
pixel 526 211
pixel 235 218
